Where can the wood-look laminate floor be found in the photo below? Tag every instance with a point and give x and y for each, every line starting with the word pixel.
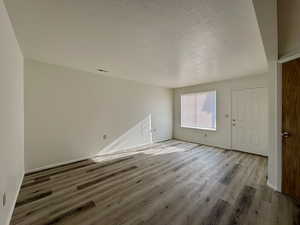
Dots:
pixel 173 182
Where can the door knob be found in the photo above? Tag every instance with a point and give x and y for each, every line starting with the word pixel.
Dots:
pixel 285 134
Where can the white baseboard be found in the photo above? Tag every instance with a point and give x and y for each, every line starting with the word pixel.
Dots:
pixel 89 157
pixel 57 164
pixel 131 149
pixel 272 186
pixel 11 211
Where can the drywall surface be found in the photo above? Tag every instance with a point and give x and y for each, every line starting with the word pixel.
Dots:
pixel 167 43
pixel 266 13
pixel 222 136
pixel 11 116
pixel 288 27
pixel 67 113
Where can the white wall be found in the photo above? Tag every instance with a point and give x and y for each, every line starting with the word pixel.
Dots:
pixel 67 112
pixel 288 27
pixel 11 116
pixel 266 12
pixel 221 137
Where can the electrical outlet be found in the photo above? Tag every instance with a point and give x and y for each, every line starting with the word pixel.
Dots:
pixel 4 199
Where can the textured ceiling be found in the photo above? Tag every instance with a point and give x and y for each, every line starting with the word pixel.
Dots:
pixel 171 43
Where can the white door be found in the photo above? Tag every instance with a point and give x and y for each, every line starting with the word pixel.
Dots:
pixel 249 125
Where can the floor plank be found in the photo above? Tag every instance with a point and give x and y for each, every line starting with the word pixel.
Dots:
pixel 172 182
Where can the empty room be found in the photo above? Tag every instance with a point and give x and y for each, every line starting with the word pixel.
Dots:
pixel 149 112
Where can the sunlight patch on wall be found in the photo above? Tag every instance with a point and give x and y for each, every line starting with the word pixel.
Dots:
pixel 138 135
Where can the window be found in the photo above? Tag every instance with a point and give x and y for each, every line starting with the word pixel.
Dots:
pixel 198 110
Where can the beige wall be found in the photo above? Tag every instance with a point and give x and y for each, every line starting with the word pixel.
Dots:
pixel 222 136
pixel 67 112
pixel 11 116
pixel 288 26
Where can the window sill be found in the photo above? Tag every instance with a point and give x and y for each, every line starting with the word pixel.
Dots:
pixel 198 128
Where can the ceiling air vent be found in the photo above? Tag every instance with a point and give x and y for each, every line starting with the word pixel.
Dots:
pixel 102 71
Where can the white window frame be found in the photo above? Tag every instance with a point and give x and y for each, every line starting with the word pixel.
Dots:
pixel 198 128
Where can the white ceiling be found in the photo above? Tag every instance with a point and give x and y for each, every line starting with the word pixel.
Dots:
pixel 171 43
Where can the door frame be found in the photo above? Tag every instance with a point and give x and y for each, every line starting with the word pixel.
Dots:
pixel 275 125
pixel 278 107
pixel 279 90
